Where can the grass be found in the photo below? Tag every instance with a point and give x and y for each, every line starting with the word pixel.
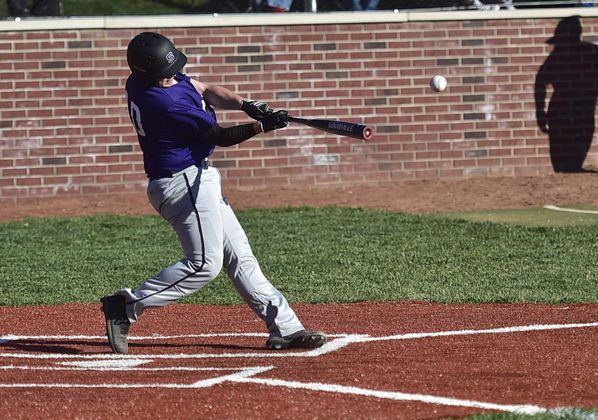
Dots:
pixel 532 217
pixel 323 255
pixel 312 255
pixel 559 414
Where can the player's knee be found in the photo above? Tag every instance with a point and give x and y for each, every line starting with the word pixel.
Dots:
pixel 213 266
pixel 212 270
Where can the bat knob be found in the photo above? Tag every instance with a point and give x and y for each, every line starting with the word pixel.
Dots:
pixel 367 133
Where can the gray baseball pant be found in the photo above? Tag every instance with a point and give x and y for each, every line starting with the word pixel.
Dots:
pixel 211 238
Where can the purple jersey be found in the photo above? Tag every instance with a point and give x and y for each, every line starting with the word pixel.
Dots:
pixel 171 125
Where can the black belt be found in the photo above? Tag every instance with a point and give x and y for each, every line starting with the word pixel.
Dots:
pixel 204 164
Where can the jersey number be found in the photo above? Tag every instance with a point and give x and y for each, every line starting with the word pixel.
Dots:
pixel 136 119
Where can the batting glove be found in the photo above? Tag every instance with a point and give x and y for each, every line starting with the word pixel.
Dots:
pixel 255 109
pixel 275 120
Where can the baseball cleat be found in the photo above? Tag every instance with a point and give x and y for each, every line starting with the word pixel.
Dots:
pixel 117 322
pixel 299 340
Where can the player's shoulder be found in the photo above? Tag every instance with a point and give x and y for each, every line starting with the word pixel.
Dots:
pixel 184 92
pixel 146 96
pixel 135 87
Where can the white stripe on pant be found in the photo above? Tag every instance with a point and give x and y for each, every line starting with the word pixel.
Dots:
pixel 211 238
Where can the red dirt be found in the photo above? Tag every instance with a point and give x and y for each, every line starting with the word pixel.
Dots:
pixel 546 368
pixel 409 196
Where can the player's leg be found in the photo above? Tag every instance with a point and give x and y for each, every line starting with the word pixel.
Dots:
pixel 193 209
pixel 267 302
pixel 190 203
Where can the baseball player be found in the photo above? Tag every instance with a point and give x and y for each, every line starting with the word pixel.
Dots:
pixel 177 131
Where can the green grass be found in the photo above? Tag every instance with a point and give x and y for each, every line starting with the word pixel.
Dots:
pixel 559 414
pixel 312 255
pixel 531 216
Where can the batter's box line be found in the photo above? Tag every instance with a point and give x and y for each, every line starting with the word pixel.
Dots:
pixel 331 346
pixel 499 330
pixel 246 376
pixel 116 368
pixel 13 337
pixel 204 383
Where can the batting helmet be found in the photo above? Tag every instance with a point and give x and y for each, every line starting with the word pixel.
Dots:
pixel 153 57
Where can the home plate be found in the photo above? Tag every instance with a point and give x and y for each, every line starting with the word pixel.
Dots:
pixel 107 364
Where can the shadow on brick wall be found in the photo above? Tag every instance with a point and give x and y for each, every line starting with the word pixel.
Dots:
pixel 571 70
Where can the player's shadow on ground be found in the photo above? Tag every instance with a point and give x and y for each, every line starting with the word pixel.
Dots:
pixel 571 70
pixel 79 347
pixel 196 345
pixel 54 346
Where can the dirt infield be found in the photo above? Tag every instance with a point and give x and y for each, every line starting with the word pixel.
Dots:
pixel 383 360
pixel 409 196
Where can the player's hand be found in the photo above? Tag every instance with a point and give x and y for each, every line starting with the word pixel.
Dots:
pixel 542 121
pixel 256 109
pixel 275 120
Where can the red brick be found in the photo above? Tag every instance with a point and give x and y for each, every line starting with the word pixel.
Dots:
pixel 413 125
pixel 15 192
pixel 14 172
pixel 107 159
pixel 41 171
pixel 56 180
pixel 67 170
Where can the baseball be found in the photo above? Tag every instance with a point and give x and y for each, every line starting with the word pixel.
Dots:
pixel 438 83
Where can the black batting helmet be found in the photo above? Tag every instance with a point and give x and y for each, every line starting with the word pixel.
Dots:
pixel 152 57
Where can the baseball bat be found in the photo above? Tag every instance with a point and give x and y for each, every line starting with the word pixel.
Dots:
pixel 342 128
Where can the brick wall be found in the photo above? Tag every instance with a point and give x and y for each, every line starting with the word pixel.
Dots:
pixel 64 128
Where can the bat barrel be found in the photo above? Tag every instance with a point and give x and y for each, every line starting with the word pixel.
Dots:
pixel 342 128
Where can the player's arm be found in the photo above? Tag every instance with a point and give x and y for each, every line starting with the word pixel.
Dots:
pixel 540 85
pixel 229 136
pixel 218 96
pixel 224 98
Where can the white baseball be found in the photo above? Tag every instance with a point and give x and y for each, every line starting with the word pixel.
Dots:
pixel 438 83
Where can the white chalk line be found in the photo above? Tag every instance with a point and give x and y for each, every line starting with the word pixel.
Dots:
pixel 94 386
pixel 341 340
pixel 390 395
pixel 501 330
pixel 569 210
pixel 205 383
pixel 330 346
pixel 125 368
pixel 12 337
pixel 234 377
pixel 169 356
pixel 122 363
pixel 246 376
pixel 241 373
